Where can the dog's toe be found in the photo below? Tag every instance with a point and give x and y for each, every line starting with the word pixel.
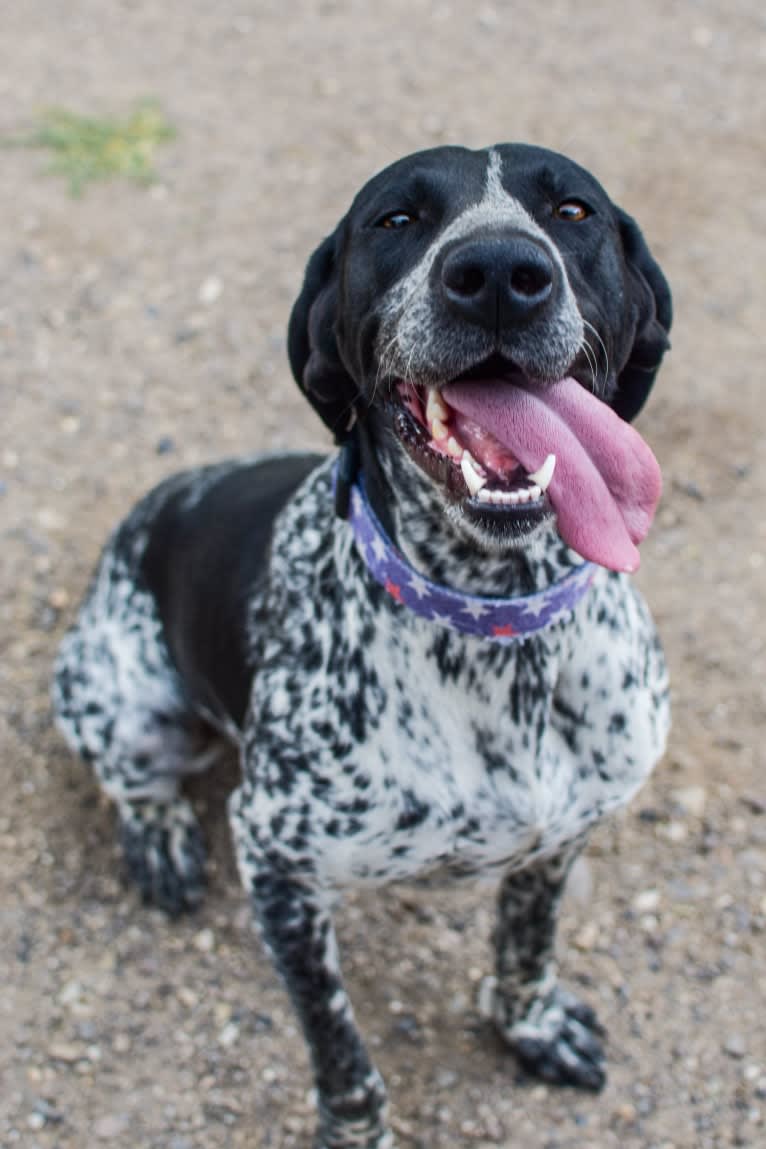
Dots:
pixel 560 1041
pixel 164 853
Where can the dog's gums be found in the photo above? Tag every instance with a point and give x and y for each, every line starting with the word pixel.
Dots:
pixel 495 477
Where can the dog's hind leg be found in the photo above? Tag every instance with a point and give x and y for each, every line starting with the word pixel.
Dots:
pixel 555 1036
pixel 119 703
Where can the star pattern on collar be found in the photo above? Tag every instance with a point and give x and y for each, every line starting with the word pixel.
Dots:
pixel 499 620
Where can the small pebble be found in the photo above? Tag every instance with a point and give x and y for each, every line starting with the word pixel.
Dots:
pixel 445 1079
pixel 586 938
pixel 691 799
pixel 690 488
pixel 210 290
pixel 187 996
pixel 111 1126
pixel 205 941
pixel 735 1046
pixel 65 1051
pixel 229 1035
pixel 647 901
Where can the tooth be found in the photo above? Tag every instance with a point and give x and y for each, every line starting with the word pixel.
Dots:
pixel 535 492
pixel 454 448
pixel 436 408
pixel 473 479
pixel 543 475
pixel 438 429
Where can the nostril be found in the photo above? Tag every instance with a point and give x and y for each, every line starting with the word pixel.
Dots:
pixel 497 281
pixel 531 280
pixel 464 280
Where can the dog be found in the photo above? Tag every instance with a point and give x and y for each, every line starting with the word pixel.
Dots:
pixel 426 645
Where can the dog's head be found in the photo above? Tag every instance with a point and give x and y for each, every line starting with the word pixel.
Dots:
pixel 475 308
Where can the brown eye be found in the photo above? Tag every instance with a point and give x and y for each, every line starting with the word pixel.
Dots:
pixel 572 210
pixel 396 219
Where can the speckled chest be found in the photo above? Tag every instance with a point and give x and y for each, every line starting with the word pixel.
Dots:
pixel 381 745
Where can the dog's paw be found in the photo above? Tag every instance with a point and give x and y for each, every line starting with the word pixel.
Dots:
pixel 164 853
pixel 355 1120
pixel 560 1041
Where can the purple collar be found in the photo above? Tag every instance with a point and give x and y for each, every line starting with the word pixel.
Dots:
pixel 502 620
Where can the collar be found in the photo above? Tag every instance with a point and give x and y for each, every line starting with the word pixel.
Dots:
pixel 503 620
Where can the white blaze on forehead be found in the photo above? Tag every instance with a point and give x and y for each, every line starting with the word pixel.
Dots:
pixel 497 208
pixel 409 320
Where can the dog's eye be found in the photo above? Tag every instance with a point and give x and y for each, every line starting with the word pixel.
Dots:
pixel 572 210
pixel 396 219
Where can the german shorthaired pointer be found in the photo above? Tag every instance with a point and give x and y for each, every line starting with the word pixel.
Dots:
pixel 425 646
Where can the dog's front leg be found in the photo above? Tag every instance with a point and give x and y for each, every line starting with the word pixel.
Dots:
pixel 297 927
pixel 555 1035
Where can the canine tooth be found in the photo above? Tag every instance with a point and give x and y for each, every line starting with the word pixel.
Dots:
pixel 543 475
pixel 436 408
pixel 438 429
pixel 473 479
pixel 454 448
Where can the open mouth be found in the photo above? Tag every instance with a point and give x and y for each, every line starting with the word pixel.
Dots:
pixel 466 458
pixel 512 451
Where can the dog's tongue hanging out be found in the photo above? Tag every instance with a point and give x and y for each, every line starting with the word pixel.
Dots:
pixel 606 484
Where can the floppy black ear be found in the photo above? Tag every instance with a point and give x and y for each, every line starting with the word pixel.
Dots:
pixel 312 346
pixel 653 308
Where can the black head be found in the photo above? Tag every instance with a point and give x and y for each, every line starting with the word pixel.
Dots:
pixel 508 263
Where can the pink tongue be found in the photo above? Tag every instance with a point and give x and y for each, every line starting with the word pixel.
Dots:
pixel 607 482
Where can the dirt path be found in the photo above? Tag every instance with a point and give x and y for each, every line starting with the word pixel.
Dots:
pixel 142 330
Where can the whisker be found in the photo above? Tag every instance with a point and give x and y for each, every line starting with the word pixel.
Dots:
pixel 590 355
pixel 590 327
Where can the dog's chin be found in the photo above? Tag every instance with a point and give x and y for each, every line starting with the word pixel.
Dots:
pixel 496 512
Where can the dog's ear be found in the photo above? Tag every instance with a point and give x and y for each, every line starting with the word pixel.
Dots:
pixel 653 310
pixel 312 345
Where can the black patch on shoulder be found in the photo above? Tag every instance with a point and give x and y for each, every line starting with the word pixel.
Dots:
pixel 203 561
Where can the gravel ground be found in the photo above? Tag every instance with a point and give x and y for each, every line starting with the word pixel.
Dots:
pixel 143 329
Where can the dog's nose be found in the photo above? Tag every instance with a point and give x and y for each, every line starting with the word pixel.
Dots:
pixel 496 282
